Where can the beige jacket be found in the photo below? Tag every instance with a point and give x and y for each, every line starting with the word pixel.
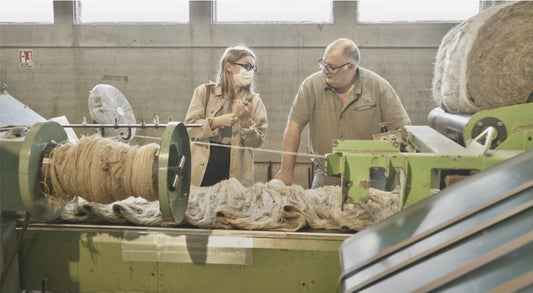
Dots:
pixel 241 162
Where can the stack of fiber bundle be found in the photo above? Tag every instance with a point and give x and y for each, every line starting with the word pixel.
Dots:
pixel 486 62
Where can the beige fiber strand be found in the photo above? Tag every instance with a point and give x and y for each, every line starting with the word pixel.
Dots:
pixel 270 206
pixel 261 150
pixel 102 170
pixel 246 148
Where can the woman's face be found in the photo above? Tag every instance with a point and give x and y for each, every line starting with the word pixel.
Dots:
pixel 235 68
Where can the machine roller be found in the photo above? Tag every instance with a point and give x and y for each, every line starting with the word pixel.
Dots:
pixel 24 160
pixel 25 153
pixel 511 123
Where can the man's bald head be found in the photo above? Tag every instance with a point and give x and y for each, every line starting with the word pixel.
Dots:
pixel 346 48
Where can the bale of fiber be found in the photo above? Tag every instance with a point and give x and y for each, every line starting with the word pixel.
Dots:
pixel 486 62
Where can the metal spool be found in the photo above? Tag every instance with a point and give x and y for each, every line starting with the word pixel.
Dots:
pixel 41 135
pixel 172 170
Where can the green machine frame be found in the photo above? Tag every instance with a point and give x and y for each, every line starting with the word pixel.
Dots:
pixel 500 134
pixel 105 258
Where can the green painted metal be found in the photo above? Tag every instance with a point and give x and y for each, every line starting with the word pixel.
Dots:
pixel 39 136
pixel 349 155
pixel 335 163
pixel 174 172
pixel 9 188
pixel 94 259
pixel 366 146
pixel 8 240
pixel 427 140
pixel 474 236
pixel 516 121
pixel 522 138
pixel 21 159
pixel 353 159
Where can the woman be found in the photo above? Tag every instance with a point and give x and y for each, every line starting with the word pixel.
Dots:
pixel 230 113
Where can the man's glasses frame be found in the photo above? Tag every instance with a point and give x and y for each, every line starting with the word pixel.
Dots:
pixel 323 65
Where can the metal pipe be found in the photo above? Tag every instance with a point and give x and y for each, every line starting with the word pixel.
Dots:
pixel 448 124
pixel 140 125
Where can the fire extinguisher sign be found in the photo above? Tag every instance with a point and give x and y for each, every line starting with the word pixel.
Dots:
pixel 26 58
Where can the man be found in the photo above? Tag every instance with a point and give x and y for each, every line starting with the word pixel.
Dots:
pixel 343 101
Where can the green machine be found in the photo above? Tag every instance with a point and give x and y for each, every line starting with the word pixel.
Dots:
pixel 53 256
pixel 473 234
pixel 452 146
pixel 24 153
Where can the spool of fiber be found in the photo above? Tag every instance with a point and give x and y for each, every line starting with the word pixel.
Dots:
pixel 486 62
pixel 103 170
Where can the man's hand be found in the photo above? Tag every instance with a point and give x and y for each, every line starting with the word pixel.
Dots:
pixel 291 143
pixel 286 176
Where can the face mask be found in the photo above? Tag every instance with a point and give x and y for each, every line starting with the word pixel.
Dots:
pixel 243 78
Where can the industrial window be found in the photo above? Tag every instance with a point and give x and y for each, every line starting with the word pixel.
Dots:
pixel 131 12
pixel 273 11
pixel 416 10
pixel 27 11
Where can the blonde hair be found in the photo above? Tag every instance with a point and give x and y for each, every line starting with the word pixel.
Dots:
pixel 224 78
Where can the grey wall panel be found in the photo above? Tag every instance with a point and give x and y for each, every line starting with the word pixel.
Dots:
pixel 157 67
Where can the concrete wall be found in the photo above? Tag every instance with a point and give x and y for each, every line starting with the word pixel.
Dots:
pixel 157 67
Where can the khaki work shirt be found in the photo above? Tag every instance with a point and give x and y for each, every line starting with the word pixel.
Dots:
pixel 241 160
pixel 372 101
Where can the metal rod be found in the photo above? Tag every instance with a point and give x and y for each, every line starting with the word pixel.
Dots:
pixel 142 125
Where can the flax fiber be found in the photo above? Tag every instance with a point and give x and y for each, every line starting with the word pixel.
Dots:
pixel 486 62
pixel 102 170
pixel 106 181
pixel 264 206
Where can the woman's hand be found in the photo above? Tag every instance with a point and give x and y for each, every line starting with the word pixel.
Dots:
pixel 242 110
pixel 227 120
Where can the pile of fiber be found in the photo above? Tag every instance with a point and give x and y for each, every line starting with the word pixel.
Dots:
pixel 264 206
pixel 486 62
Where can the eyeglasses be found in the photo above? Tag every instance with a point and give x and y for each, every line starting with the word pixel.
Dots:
pixel 247 66
pixel 323 65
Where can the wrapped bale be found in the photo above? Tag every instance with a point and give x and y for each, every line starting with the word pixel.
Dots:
pixel 486 62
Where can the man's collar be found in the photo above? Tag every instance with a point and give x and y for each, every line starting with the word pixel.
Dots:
pixel 357 90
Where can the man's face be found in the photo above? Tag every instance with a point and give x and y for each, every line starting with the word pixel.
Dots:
pixel 339 71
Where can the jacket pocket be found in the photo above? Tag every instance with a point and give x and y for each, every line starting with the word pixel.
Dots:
pixel 365 107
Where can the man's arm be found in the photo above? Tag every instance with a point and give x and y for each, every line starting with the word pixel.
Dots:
pixel 291 143
pixel 403 126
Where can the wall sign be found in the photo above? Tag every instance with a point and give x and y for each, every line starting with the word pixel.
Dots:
pixel 26 58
